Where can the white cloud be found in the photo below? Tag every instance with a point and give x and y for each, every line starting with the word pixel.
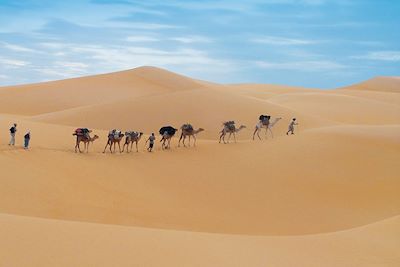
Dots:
pixel 381 55
pixel 143 38
pixel 316 65
pixel 75 65
pixel 192 39
pixel 127 57
pixel 13 63
pixel 139 25
pixel 273 40
pixel 16 48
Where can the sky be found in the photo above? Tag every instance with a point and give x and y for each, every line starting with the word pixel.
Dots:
pixel 311 43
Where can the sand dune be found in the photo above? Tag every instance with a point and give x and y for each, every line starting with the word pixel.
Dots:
pixel 381 84
pixel 72 93
pixel 62 243
pixel 327 191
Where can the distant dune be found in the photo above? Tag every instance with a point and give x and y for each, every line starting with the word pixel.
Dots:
pixel 381 84
pixel 327 196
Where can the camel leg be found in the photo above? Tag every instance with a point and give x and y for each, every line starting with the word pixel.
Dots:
pixel 87 147
pixel 189 140
pixel 229 137
pixel 272 134
pixel 180 138
pixel 169 143
pixel 77 144
pixel 258 134
pixel 104 151
pixel 79 147
pixel 137 149
pixel 221 136
pixel 194 143
pixel 119 147
pixel 234 137
pixel 257 131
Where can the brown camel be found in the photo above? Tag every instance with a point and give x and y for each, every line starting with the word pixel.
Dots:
pixel 188 132
pixel 114 137
pixel 86 139
pixel 130 138
pixel 231 129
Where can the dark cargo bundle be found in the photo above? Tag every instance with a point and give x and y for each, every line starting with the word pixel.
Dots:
pixel 169 129
pixel 264 117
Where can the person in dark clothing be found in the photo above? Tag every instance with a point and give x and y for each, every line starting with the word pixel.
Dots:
pixel 13 131
pixel 27 138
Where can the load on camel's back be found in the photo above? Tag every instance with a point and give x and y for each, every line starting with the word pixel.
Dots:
pixel 229 125
pixel 115 133
pixel 82 132
pixel 265 119
pixel 167 130
pixel 187 127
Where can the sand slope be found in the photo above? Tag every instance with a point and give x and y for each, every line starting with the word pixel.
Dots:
pixel 62 243
pixel 325 191
pixel 381 84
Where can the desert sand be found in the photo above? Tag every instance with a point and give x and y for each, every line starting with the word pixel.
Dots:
pixel 327 196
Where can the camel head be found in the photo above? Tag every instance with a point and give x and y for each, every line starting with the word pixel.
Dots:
pixel 200 130
pixel 242 127
pixel 95 137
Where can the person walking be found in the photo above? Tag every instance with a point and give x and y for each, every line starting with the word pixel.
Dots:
pixel 13 131
pixel 291 126
pixel 27 138
pixel 151 140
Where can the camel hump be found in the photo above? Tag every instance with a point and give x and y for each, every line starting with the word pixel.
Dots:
pixel 187 127
pixel 228 123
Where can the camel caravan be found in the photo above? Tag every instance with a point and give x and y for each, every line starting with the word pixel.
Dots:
pixel 115 136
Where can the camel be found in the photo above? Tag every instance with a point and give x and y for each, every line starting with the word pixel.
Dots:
pixel 130 138
pixel 231 129
pixel 188 132
pixel 267 125
pixel 167 133
pixel 86 141
pixel 114 137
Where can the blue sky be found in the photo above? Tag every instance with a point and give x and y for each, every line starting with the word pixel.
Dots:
pixel 312 43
